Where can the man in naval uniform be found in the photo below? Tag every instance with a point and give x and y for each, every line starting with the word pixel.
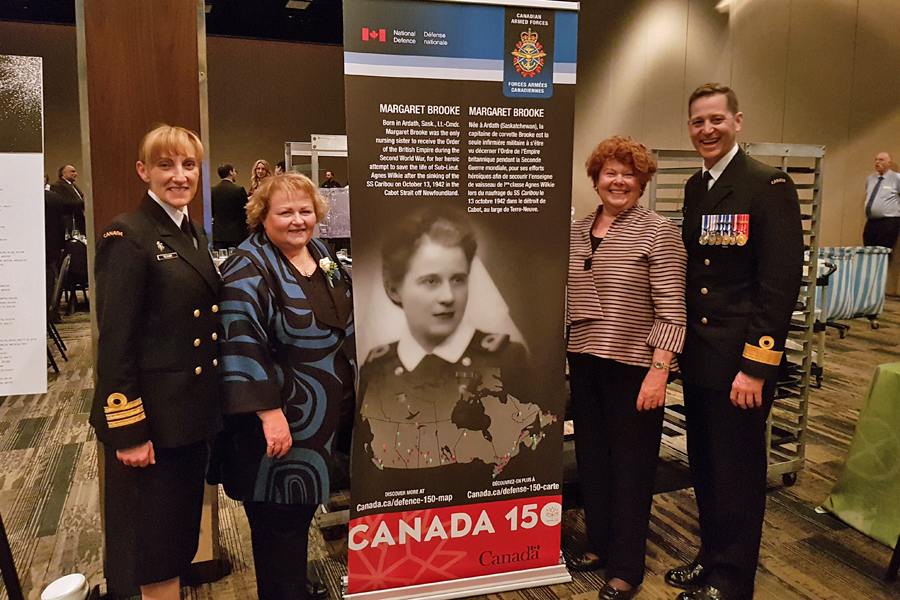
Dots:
pixel 743 234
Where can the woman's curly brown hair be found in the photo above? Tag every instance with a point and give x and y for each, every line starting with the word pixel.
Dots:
pixel 628 152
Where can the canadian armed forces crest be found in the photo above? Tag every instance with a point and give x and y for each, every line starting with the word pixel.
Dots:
pixel 528 57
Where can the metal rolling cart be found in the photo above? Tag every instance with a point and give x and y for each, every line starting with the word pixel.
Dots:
pixel 786 427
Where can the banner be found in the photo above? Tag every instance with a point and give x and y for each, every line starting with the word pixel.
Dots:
pixel 459 122
pixel 23 296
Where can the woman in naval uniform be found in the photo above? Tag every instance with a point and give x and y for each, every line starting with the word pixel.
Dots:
pixel 428 386
pixel 156 401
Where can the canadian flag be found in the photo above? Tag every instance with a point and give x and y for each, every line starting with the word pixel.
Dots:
pixel 373 35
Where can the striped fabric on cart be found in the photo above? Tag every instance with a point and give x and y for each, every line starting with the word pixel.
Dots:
pixel 857 287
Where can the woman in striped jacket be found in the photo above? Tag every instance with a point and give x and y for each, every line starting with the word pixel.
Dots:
pixel 626 322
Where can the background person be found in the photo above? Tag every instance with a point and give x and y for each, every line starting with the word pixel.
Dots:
pixel 73 199
pixel 740 297
pixel 229 216
pixel 279 168
pixel 882 205
pixel 259 172
pixel 329 181
pixel 626 312
pixel 156 401
pixel 287 367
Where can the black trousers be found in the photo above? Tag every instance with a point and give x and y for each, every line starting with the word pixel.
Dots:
pixel 617 448
pixel 882 232
pixel 279 534
pixel 728 460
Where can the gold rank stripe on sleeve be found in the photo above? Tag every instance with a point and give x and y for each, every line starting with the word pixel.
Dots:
pixel 121 412
pixel 761 355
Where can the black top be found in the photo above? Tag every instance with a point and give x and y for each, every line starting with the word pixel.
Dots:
pixel 595 242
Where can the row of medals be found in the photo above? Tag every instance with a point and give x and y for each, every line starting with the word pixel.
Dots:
pixel 722 239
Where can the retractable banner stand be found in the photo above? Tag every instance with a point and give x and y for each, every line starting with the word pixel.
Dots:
pixel 23 305
pixel 459 123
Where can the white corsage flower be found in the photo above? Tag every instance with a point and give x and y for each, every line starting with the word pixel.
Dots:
pixel 329 267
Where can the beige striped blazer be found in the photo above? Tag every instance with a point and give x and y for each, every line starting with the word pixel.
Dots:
pixel 627 298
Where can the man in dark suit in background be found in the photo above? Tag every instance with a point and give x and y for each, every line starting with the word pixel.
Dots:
pixel 744 239
pixel 73 199
pixel 54 238
pixel 329 181
pixel 229 217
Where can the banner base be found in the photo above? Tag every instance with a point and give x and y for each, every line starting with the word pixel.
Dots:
pixel 471 586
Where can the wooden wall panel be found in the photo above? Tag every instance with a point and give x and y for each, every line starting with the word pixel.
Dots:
pixel 709 53
pixel 818 99
pixel 875 113
pixel 141 71
pixel 263 94
pixel 666 46
pixel 760 30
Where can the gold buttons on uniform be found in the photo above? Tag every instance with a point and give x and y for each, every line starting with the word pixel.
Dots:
pixel 197 313
pixel 398 371
pixel 706 262
pixel 215 336
pixel 215 362
pixel 466 362
pixel 196 342
pixel 704 291
pixel 215 308
pixel 704 321
pixel 198 370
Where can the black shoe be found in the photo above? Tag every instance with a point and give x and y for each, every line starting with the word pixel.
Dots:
pixel 585 563
pixel 608 592
pixel 316 590
pixel 707 592
pixel 687 577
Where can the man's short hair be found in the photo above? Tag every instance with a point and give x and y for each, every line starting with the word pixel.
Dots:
pixel 225 170
pixel 61 169
pixel 711 89
pixel 280 163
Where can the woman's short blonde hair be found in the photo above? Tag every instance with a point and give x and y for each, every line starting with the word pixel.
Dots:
pixel 165 140
pixel 261 200
pixel 626 151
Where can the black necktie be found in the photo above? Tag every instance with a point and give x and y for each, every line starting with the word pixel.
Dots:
pixel 186 228
pixel 872 197
pixel 707 177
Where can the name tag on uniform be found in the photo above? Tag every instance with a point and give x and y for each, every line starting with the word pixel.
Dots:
pixel 167 256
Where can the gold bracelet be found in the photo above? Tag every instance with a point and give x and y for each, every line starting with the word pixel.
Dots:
pixel 661 365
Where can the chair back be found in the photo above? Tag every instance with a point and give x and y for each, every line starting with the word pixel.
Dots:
pixel 58 288
pixel 78 270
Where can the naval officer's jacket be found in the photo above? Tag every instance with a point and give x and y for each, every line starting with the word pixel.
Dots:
pixel 740 290
pixel 157 317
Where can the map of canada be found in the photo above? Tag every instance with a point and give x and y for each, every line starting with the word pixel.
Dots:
pixel 450 419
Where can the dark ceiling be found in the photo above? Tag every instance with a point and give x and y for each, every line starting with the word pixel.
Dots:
pixel 319 23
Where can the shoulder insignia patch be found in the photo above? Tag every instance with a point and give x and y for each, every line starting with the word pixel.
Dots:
pixel 779 180
pixel 494 341
pixel 377 352
pixel 112 233
pixel 121 412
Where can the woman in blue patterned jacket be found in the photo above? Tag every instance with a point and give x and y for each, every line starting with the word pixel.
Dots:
pixel 287 364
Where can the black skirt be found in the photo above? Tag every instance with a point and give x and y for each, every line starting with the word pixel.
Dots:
pixel 153 514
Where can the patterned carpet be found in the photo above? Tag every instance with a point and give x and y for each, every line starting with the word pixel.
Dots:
pixel 49 495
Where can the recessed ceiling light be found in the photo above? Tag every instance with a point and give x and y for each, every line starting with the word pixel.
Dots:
pixel 297 4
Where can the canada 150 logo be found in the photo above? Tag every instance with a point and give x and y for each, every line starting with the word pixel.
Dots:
pixel 528 56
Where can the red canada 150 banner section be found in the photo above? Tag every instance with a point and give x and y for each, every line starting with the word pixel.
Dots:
pixel 417 547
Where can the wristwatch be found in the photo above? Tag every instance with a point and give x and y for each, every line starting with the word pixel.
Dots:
pixel 661 365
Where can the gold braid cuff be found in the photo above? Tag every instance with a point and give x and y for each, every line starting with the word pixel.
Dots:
pixel 761 355
pixel 121 412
